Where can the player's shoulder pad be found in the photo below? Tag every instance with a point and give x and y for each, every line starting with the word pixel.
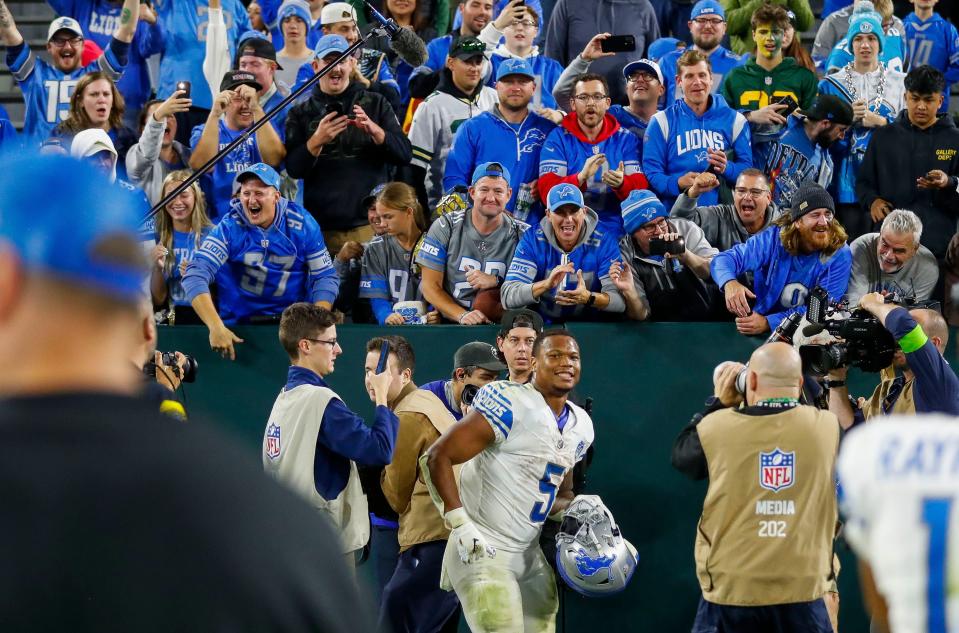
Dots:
pixel 496 402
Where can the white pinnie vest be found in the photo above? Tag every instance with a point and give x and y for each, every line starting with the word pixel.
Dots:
pixel 289 449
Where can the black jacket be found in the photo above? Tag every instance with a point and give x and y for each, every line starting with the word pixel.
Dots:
pixel 900 153
pixel 336 181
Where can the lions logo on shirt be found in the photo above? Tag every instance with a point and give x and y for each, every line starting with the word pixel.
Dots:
pixel 777 470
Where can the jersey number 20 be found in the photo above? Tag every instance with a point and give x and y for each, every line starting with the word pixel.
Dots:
pixel 547 486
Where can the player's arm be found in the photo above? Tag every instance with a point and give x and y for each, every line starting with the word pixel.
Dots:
pixel 875 603
pixel 564 496
pixel 464 441
pixel 129 16
pixel 9 33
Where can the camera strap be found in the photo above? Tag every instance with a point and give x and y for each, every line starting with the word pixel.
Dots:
pixel 778 403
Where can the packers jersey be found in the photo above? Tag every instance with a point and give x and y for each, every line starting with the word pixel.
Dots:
pixel 453 246
pixel 899 481
pixel 509 488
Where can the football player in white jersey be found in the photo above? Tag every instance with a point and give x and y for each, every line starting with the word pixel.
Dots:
pixel 518 447
pixel 899 492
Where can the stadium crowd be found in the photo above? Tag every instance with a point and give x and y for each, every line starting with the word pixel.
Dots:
pixel 523 163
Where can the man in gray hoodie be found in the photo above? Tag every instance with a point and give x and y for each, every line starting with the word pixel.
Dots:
pixel 574 23
pixel 561 268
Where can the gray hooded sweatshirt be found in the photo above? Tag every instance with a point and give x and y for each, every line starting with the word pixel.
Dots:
pixel 720 223
pixel 574 23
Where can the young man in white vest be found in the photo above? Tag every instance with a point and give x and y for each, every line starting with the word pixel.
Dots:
pixel 412 600
pixel 313 440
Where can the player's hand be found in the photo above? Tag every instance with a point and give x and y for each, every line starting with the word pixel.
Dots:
pixel 395 319
pixel 771 114
pixel 368 125
pixel 221 102
pixel 615 177
pixel 331 126
pixel 752 325
pixel 935 179
pixel 172 105
pixel 879 209
pixel 590 167
pixel 470 544
pixel 622 276
pixel 594 48
pixel 686 180
pixel 513 10
pixel 350 250
pixel 717 160
pixel 473 317
pixel 706 181
pixel 222 340
pixel 736 298
pixel 480 280
pixel 158 255
pixel 577 296
pixel 724 383
pixel 556 116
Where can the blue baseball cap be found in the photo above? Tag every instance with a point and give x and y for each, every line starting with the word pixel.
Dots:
pixel 562 194
pixel 662 46
pixel 513 66
pixel 643 64
pixel 330 44
pixel 95 245
pixel 493 170
pixel 296 8
pixel 707 7
pixel 262 171
pixel 640 207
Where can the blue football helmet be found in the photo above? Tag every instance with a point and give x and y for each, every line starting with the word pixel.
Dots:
pixel 591 555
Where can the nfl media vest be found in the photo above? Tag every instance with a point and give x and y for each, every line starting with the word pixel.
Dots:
pixel 289 448
pixel 420 521
pixel 769 517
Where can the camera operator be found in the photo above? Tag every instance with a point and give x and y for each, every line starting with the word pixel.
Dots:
pixel 160 381
pixel 764 544
pixel 927 383
pixel 475 364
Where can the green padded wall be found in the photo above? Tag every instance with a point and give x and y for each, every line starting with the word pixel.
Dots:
pixel 646 382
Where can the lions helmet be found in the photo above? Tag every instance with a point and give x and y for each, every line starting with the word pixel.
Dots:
pixel 591 555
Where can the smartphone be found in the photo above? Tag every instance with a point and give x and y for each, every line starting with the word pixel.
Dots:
pixel 185 87
pixel 336 107
pixel 791 104
pixel 618 44
pixel 384 356
pixel 659 246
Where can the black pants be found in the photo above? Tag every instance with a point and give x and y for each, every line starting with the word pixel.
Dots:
pixel 186 121
pixel 413 601
pixel 855 220
pixel 800 617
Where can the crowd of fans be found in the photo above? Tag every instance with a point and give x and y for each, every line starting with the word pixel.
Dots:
pixel 716 169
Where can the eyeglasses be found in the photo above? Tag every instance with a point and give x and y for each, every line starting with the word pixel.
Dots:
pixel 755 193
pixel 815 216
pixel 60 42
pixel 331 343
pixel 709 21
pixel 585 99
pixel 641 76
pixel 526 23
pixel 654 227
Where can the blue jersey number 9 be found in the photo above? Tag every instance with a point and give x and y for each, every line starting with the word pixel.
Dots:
pixel 547 485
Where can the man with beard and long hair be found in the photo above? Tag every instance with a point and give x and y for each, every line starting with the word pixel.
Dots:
pixel 803 249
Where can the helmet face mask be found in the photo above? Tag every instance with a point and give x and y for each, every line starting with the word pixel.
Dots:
pixel 592 556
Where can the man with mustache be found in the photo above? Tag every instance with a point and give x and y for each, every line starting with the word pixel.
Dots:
pixel 235 109
pixel 803 249
pixel 275 256
pixel 40 81
pixel 726 225
pixel 893 260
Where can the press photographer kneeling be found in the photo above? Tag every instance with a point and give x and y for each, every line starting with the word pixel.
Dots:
pixel 919 380
pixel 163 372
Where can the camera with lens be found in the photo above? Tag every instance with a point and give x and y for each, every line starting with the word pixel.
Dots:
pixel 469 393
pixel 865 343
pixel 168 359
pixel 659 246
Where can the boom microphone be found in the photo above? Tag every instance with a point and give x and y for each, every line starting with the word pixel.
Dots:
pixel 813 329
pixel 404 42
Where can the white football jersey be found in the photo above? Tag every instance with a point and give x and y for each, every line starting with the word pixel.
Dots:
pixel 899 479
pixel 509 489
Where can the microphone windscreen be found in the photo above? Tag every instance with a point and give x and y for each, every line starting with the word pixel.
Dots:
pixel 812 329
pixel 409 47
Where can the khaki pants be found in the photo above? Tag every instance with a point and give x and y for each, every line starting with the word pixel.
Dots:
pixel 336 239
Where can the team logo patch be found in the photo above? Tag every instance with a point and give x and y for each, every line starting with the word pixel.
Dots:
pixel 777 469
pixel 272 441
pixel 865 27
pixel 591 566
